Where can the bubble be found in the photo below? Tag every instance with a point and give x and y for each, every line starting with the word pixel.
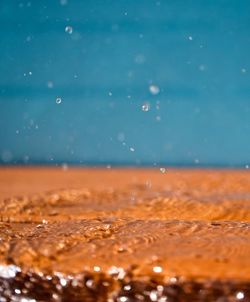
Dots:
pixel 132 149
pixel 154 89
pixel 110 93
pixel 190 38
pixel 58 100
pixel 69 29
pixel 163 170
pixel 243 70
pixel 145 107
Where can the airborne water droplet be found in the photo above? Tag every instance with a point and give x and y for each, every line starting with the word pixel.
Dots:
pixel 145 107
pixel 58 100
pixel 69 29
pixel 154 89
pixel 163 170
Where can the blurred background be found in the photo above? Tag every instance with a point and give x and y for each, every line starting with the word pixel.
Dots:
pixel 125 82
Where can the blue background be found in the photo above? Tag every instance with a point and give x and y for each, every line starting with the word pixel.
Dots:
pixel 197 52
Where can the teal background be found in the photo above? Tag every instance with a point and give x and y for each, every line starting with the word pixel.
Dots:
pixel 197 52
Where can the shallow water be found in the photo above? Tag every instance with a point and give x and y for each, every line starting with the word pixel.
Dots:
pixel 130 225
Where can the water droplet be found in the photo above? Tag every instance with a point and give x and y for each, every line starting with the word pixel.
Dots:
pixel 240 295
pixel 30 72
pixel 145 107
pixel 63 281
pixel 65 167
pixel 190 38
pixel 69 29
pixel 154 89
pixel 157 269
pixel 140 59
pixel 243 70
pixel 6 156
pixel 117 272
pixel 58 100
pixel 127 287
pixel 97 268
pixel 202 67
pixel 122 299
pixel 63 2
pixel 132 149
pixel 153 295
pixel 90 283
pixel 50 84
pixel 247 166
pixel 110 93
pixel 163 170
pixel 8 271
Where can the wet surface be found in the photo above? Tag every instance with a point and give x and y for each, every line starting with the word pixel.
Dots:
pixel 140 235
